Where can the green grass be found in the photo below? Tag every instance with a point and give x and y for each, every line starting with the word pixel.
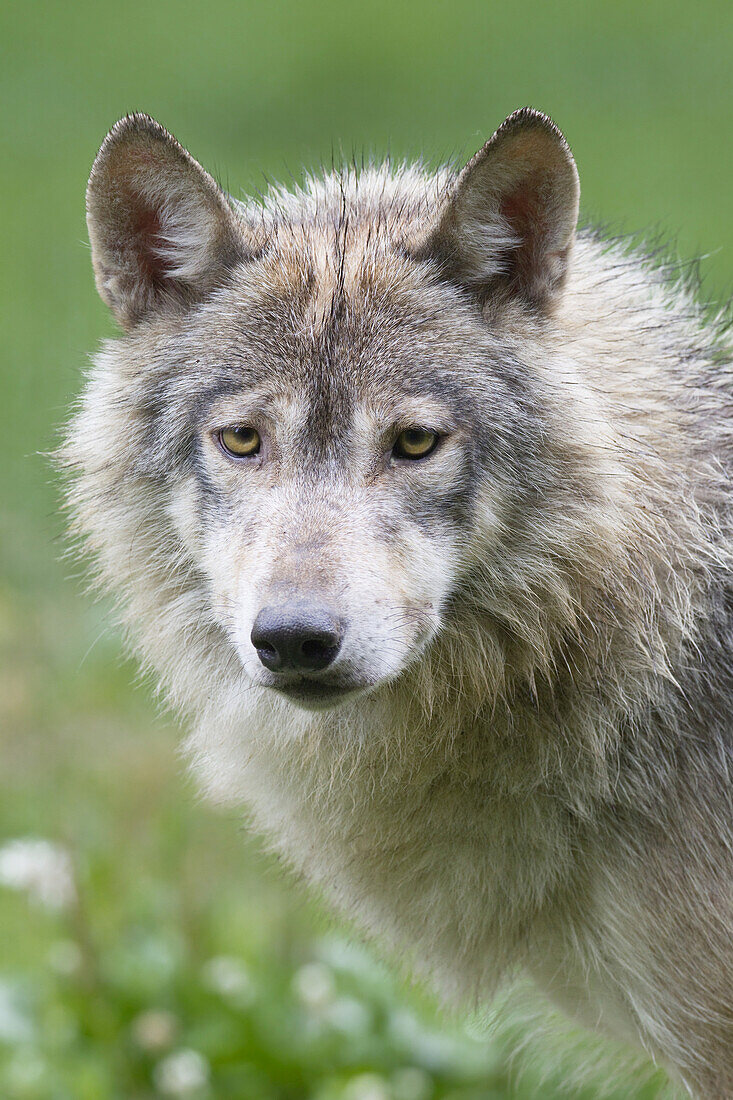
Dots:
pixel 165 884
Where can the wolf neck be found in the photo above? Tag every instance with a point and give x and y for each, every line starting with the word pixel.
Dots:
pixel 434 815
pixel 428 835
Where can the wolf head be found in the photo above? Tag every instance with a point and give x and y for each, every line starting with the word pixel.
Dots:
pixel 320 425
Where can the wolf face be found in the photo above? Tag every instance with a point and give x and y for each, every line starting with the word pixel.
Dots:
pixel 329 401
pixel 334 540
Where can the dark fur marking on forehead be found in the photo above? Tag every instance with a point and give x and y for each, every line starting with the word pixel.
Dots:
pixel 330 404
pixel 201 402
pixel 327 424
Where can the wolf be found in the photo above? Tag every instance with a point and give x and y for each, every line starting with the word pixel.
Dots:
pixel 416 497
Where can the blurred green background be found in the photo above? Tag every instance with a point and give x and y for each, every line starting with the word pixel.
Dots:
pixel 174 958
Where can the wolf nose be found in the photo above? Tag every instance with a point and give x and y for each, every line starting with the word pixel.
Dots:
pixel 296 636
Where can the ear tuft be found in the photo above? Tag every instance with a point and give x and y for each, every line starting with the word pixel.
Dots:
pixel 508 224
pixel 162 231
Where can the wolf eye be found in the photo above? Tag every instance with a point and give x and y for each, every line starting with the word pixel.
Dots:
pixel 239 441
pixel 415 443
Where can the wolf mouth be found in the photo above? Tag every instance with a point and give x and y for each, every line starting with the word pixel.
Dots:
pixel 317 696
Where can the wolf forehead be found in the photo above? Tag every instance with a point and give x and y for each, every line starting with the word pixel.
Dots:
pixel 336 312
pixel 334 323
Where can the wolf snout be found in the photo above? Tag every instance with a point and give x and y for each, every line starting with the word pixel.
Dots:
pixel 299 636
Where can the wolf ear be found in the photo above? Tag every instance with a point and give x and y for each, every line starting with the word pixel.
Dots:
pixel 162 231
pixel 509 221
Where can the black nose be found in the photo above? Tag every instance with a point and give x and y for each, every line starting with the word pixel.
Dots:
pixel 297 635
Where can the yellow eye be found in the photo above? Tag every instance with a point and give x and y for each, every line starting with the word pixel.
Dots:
pixel 415 443
pixel 240 441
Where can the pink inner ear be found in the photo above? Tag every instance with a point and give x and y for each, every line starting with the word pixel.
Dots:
pixel 525 212
pixel 145 229
pixel 524 208
pixel 132 167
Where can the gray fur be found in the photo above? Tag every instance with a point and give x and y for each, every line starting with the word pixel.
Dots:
pixel 530 764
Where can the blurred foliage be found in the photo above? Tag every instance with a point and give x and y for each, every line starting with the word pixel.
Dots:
pixel 187 961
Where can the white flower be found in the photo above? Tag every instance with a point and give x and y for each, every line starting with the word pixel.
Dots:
pixel 434 1050
pixel 25 1072
pixel 367 1086
pixel 44 870
pixel 351 958
pixel 229 977
pixel 314 986
pixel 348 1016
pixel 65 958
pixel 411 1083
pixel 181 1073
pixel 154 1029
pixel 15 1024
pixel 439 1051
